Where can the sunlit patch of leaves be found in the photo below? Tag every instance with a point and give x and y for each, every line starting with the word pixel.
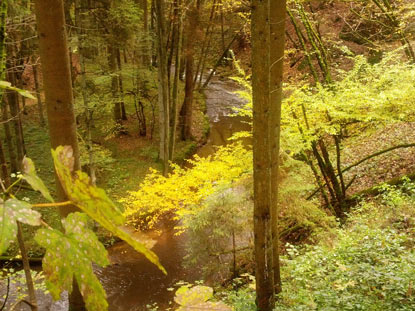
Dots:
pixel 196 298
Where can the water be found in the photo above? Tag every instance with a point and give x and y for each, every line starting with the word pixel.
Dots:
pixel 131 281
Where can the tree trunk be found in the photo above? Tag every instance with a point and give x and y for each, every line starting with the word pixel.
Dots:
pixel 13 162
pixel 9 139
pixel 186 111
pixel 58 95
pixel 146 52
pixel 205 44
pixel 87 113
pixel 4 171
pixel 277 44
pixel 261 153
pixel 120 85
pixel 13 102
pixel 187 108
pixel 153 22
pixel 38 96
pixel 163 87
pixel 175 92
pixel 26 267
pixel 112 62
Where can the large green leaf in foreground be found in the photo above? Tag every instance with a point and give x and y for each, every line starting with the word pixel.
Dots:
pixel 70 255
pixel 29 174
pixel 8 86
pixel 94 201
pixel 11 211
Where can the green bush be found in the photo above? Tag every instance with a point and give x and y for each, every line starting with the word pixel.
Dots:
pixel 369 265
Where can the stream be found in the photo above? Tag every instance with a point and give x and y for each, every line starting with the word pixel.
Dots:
pixel 131 281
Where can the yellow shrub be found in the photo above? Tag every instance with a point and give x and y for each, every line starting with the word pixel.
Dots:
pixel 183 190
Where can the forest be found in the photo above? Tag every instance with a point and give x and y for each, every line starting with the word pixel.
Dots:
pixel 223 155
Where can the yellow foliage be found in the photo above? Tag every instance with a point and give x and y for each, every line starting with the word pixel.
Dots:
pixel 182 191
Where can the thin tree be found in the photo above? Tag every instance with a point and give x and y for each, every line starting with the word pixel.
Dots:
pixel 38 97
pixel 163 93
pixel 277 45
pixel 175 92
pixel 187 108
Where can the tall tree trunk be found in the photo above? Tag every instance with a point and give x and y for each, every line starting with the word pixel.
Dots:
pixel 38 96
pixel 57 83
pixel 187 108
pixel 153 27
pixel 186 111
pixel 13 102
pixel 13 162
pixel 163 92
pixel 277 45
pixel 261 153
pixel 4 171
pixel 9 138
pixel 26 267
pixel 222 24
pixel 79 21
pixel 175 91
pixel 120 85
pixel 205 44
pixel 146 51
pixel 112 62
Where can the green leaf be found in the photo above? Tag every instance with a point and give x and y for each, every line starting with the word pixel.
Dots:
pixel 8 86
pixel 94 201
pixel 196 298
pixel 29 174
pixel 11 211
pixel 70 255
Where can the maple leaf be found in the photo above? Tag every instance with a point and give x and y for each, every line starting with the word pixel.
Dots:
pixel 11 211
pixel 71 254
pixel 29 174
pixel 95 202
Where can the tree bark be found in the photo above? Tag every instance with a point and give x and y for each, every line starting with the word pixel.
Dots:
pixel 261 153
pixel 120 86
pixel 187 108
pixel 4 171
pixel 163 87
pixel 175 91
pixel 79 21
pixel 147 48
pixel 13 102
pixel 9 139
pixel 112 62
pixel 38 96
pixel 26 267
pixel 57 82
pixel 277 45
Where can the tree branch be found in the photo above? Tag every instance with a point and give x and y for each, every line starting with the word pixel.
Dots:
pixel 364 160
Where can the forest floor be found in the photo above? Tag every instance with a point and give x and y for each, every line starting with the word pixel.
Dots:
pixel 387 166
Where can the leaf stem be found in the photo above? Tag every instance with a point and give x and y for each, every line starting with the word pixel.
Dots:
pixel 53 204
pixel 13 184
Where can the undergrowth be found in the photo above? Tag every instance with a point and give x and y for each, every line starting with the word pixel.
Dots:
pixel 368 265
